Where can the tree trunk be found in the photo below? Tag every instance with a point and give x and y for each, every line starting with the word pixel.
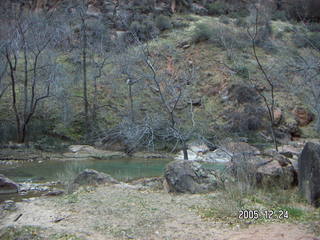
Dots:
pixel 84 70
pixel 185 150
pixel 131 102
pixel 22 133
pixel 173 6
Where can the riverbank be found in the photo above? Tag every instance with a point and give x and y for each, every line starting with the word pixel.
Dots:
pixel 124 211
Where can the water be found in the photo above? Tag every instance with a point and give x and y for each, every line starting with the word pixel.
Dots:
pixel 123 169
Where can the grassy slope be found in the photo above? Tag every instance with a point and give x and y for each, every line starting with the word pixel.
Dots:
pixel 212 76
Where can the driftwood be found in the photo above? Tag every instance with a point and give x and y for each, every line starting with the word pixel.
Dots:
pixel 18 217
pixel 58 220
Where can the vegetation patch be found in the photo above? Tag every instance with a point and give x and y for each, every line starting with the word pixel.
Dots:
pixel 235 206
pixel 25 232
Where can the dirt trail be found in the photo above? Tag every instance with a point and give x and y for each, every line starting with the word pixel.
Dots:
pixel 121 212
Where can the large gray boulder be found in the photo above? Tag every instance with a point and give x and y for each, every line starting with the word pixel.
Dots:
pixel 274 174
pixel 265 170
pixel 7 185
pixel 189 177
pixel 93 177
pixel 309 173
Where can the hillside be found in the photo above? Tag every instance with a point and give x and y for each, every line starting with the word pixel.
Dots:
pixel 206 53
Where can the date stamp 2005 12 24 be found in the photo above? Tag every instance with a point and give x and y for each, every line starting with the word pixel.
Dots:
pixel 265 214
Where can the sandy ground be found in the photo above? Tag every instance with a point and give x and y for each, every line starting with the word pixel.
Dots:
pixel 123 212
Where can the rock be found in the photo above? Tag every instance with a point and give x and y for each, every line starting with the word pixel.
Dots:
pixel 241 148
pixel 192 156
pixel 199 148
pixel 195 102
pixel 202 153
pixel 309 173
pixel 289 151
pixel 36 187
pixel 7 185
pixel 273 174
pixel 277 113
pixel 278 156
pixel 282 160
pixel 189 177
pixel 155 183
pixel 82 148
pixel 303 116
pixel 54 193
pixel 9 205
pixel 186 46
pixel 218 155
pixel 287 131
pixel 93 177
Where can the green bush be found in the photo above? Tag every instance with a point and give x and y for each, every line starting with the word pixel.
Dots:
pixel 226 38
pixel 279 35
pixel 179 24
pixel 203 32
pixel 242 71
pixel 264 34
pixel 241 22
pixel 224 19
pixel 239 13
pixel 269 47
pixel 287 29
pixel 279 15
pixel 314 27
pixel 145 30
pixel 315 40
pixel 217 8
pixel 50 144
pixel 163 22
pixel 301 40
pixel 220 36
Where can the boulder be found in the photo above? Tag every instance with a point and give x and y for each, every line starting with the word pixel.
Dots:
pixel 218 155
pixel 273 174
pixel 192 156
pixel 303 116
pixel 93 177
pixel 281 157
pixel 289 151
pixel 9 205
pixel 189 177
pixel 241 148
pixel 199 148
pixel 155 183
pixel 309 173
pixel 82 148
pixel 7 185
pixel 54 193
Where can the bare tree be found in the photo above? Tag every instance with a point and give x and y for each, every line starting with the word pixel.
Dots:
pixel 303 79
pixel 3 70
pixel 171 87
pixel 92 49
pixel 269 103
pixel 29 48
